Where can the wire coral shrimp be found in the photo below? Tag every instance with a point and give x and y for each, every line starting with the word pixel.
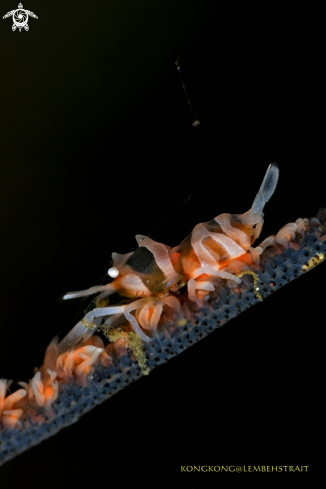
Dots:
pixel 160 300
pixel 219 248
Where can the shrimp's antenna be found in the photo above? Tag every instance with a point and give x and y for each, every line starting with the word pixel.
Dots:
pixel 196 121
pixel 195 124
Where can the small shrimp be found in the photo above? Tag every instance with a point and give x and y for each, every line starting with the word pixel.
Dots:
pixel 151 276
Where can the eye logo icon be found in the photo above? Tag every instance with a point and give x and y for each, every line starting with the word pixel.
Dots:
pixel 20 18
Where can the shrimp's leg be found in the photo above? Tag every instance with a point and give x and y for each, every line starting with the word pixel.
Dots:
pixel 85 328
pixel 108 289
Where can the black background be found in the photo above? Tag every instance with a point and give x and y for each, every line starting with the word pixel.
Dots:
pixel 97 145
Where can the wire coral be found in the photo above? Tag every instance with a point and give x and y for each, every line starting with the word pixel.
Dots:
pixel 186 292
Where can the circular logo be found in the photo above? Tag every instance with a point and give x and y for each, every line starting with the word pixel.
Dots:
pixel 20 18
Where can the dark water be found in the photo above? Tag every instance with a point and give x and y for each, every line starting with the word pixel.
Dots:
pixel 97 145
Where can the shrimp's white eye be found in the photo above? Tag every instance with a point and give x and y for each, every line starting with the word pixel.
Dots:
pixel 113 272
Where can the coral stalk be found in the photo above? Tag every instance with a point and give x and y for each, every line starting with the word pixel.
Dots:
pixel 89 375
